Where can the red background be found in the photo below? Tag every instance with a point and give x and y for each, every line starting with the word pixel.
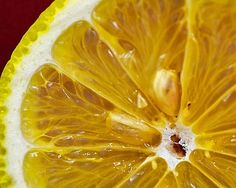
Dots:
pixel 16 16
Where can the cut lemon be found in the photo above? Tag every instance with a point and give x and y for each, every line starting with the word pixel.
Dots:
pixel 122 93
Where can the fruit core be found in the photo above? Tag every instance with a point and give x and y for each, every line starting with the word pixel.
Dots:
pixel 176 145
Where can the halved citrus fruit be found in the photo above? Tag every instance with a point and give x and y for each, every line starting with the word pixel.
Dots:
pixel 122 93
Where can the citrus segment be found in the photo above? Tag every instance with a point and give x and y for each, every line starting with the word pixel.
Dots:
pixel 58 111
pixel 82 55
pixel 189 176
pixel 220 168
pixel 168 181
pixel 148 174
pixel 79 168
pixel 222 142
pixel 209 69
pixel 146 35
pixel 220 117
pixel 55 105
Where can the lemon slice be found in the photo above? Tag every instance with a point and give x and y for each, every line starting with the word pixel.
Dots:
pixel 122 93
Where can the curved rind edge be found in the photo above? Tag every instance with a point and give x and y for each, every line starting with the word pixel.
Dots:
pixel 39 27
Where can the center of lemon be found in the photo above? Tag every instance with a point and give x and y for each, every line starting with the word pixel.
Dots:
pixel 176 145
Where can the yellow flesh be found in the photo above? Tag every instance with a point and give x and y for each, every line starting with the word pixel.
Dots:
pixel 94 116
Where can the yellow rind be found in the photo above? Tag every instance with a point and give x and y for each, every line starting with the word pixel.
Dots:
pixel 40 27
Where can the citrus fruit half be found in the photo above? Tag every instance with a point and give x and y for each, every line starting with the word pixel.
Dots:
pixel 122 93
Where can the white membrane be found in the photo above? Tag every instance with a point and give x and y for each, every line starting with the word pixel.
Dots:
pixel 40 53
pixel 187 141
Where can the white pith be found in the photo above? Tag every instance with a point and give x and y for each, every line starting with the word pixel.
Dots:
pixel 187 141
pixel 40 53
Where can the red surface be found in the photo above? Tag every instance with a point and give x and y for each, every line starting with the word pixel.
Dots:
pixel 16 16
